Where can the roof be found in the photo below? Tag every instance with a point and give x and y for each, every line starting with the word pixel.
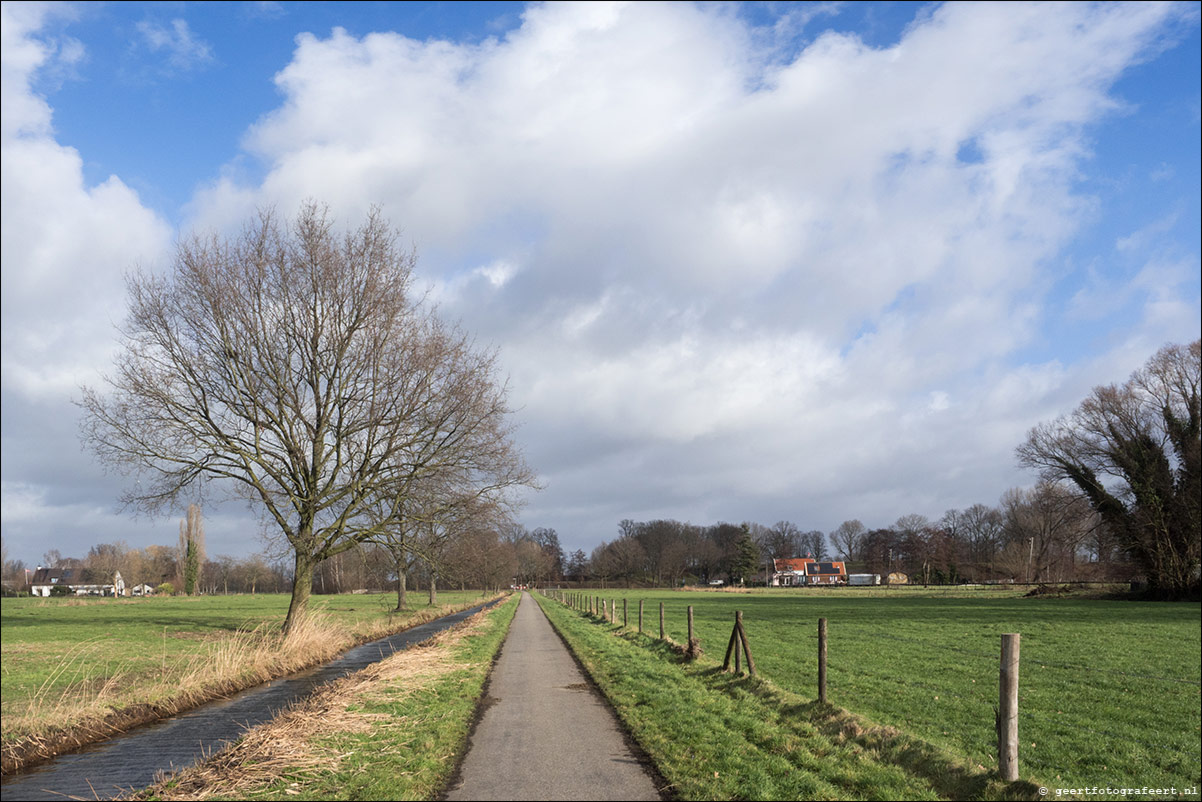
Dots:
pixel 825 569
pixel 53 576
pixel 797 564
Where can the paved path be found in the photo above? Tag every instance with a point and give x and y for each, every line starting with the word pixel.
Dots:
pixel 546 734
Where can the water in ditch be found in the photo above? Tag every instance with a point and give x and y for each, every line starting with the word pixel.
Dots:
pixel 106 769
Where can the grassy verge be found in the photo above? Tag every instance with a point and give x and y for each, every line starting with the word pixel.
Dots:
pixel 77 671
pixel 1110 691
pixel 716 736
pixel 392 731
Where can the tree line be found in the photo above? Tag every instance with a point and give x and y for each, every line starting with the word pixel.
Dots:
pixel 1041 534
pixel 485 559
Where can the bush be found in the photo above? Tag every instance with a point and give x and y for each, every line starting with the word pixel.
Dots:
pixel 165 589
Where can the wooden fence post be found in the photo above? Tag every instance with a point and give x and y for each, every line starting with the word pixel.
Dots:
pixel 732 648
pixel 822 660
pixel 1007 722
pixel 625 620
pixel 746 645
pixel 661 620
pixel 693 650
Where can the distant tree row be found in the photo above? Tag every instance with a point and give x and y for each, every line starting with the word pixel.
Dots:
pixel 1044 534
pixel 480 557
pixel 159 566
pixel 1041 534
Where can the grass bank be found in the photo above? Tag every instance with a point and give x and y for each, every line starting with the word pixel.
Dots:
pixel 77 671
pixel 392 731
pixel 1109 691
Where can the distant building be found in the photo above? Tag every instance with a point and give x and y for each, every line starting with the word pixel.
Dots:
pixel 799 571
pixel 825 573
pixel 45 580
pixel 789 573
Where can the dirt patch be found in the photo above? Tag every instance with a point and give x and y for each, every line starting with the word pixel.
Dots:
pixel 1048 590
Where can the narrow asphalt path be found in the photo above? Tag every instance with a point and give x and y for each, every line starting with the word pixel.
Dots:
pixel 546 734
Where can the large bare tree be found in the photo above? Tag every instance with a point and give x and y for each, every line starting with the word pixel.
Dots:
pixel 294 363
pixel 1135 451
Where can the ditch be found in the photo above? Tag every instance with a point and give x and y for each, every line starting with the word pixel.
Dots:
pixel 131 761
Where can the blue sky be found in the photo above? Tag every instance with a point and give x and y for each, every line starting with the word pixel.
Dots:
pixel 809 261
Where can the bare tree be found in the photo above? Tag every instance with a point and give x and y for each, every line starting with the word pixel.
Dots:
pixel 292 362
pixel 812 544
pixel 848 539
pixel 1044 528
pixel 1135 451
pixel 781 541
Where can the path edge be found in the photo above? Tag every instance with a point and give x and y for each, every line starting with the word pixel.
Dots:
pixel 662 786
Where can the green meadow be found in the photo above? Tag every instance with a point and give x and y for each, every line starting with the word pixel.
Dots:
pixel 1110 691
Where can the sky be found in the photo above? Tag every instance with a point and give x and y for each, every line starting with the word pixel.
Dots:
pixel 741 262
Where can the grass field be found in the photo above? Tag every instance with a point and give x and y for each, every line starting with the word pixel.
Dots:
pixel 1110 691
pixel 68 660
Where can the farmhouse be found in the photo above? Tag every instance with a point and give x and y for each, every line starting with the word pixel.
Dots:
pixel 799 571
pixel 790 572
pixel 825 573
pixel 46 579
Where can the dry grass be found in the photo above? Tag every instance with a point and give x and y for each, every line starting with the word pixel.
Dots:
pixel 87 711
pixel 288 746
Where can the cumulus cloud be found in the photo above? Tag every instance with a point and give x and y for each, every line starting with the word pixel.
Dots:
pixel 730 276
pixel 66 245
pixel 763 262
pixel 65 248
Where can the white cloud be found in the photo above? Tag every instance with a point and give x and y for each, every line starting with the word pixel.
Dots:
pixel 713 239
pixel 728 279
pixel 184 51
pixel 65 248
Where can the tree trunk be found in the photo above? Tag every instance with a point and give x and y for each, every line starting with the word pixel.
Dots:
pixel 433 590
pixel 401 584
pixel 302 585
